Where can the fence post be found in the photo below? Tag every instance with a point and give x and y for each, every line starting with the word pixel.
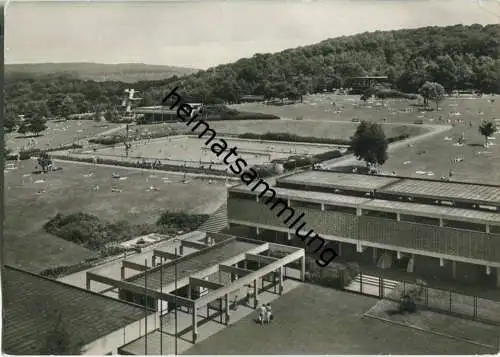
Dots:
pixel 450 300
pixel 361 282
pixel 426 296
pixel 475 307
pixel 404 287
pixel 381 287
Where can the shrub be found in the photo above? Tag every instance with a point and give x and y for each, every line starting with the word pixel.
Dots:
pixel 181 220
pixel 293 138
pixel 27 154
pixel 107 140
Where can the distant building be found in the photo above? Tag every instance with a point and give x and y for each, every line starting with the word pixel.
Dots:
pixel 160 113
pixel 252 99
pixel 360 84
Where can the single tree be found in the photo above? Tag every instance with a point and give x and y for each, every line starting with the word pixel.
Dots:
pixel 11 122
pixel 432 91
pixel 24 128
pixel 370 144
pixel 37 125
pixel 487 129
pixel 44 161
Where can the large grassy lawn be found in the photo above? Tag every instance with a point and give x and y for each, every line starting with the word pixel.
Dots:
pixel 59 134
pixel 321 107
pixel 316 320
pixel 437 154
pixel 28 207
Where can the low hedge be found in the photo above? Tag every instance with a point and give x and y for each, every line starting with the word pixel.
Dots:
pixel 27 154
pixel 293 138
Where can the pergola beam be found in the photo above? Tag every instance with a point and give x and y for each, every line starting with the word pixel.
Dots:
pixel 193 244
pixel 134 266
pixel 137 289
pixel 234 270
pixel 165 255
pixel 247 279
pixel 194 282
pixel 260 258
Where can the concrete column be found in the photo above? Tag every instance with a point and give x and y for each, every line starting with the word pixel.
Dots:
pixel 454 269
pixel 122 273
pixel 255 292
pixel 189 291
pixel 289 203
pixel 488 270
pixel 154 261
pixel 257 198
pixel 441 222
pixel 398 255
pixel 374 255
pixel 244 264
pixel 441 262
pixel 289 236
pixel 195 324
pixel 487 228
pixel 359 211
pixel 339 249
pixel 322 206
pixel 359 248
pixel 88 282
pixel 257 230
pixel 181 250
pixel 226 308
pixel 398 217
pixel 303 268
pixel 280 285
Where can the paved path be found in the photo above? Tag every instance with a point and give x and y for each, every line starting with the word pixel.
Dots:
pixel 351 159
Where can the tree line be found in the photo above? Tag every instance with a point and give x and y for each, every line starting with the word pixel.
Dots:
pixel 457 57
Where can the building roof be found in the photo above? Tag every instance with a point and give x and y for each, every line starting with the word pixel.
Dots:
pixel 32 304
pixel 426 210
pixel 452 191
pixel 308 196
pixel 192 263
pixel 346 181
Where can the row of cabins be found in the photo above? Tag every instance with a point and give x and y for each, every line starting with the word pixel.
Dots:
pixel 444 229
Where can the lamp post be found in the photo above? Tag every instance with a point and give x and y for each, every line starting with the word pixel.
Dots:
pixel 176 241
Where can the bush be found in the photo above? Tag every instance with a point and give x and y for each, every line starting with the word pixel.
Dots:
pixel 293 138
pixel 107 140
pixel 27 154
pixel 181 220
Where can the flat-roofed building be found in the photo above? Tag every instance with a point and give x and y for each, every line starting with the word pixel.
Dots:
pixel 362 83
pixel 95 324
pixel 221 270
pixel 450 230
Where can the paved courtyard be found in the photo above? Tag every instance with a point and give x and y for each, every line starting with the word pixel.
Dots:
pixel 315 320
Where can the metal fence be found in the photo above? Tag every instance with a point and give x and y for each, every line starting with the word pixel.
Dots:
pixel 430 298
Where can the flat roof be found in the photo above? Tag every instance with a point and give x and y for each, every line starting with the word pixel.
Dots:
pixel 445 190
pixel 308 196
pixel 193 263
pixel 433 210
pixel 347 181
pixel 31 305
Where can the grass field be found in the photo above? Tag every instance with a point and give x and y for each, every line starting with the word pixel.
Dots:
pixel 28 246
pixel 328 321
pixel 320 107
pixel 59 134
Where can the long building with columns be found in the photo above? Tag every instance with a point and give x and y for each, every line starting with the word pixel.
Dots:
pixel 448 230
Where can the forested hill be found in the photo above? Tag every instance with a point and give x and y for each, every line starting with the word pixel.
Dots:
pixel 124 72
pixel 458 57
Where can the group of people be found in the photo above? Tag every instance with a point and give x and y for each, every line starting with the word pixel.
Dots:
pixel 265 314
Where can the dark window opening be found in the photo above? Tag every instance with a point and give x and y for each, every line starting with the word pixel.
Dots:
pixel 465 225
pixel 418 219
pixel 371 213
pixel 341 209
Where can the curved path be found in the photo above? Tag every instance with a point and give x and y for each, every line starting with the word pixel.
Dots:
pixel 351 159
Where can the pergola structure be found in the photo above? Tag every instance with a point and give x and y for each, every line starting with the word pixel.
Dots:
pixel 243 261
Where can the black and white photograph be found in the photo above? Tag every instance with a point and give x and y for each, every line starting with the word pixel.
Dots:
pixel 250 177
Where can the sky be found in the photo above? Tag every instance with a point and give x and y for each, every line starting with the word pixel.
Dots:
pixel 205 33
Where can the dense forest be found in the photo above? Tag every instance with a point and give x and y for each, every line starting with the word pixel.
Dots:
pixel 458 57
